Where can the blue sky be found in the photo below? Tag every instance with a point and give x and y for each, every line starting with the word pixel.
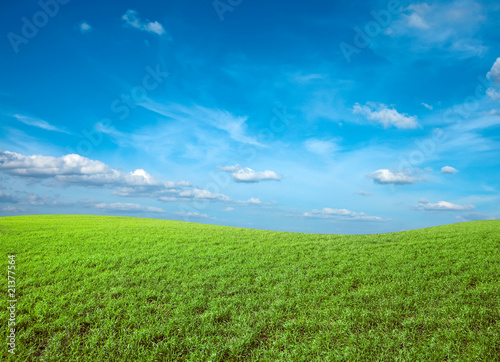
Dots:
pixel 324 117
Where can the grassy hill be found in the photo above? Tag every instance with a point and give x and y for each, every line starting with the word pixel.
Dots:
pixel 114 288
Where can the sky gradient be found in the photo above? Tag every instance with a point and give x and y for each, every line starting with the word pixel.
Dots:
pixel 324 117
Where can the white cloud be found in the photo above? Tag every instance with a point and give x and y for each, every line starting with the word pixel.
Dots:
pixel 38 123
pixel 80 171
pixel 385 176
pixel 493 94
pixel 118 206
pixel 232 168
pixel 28 198
pixel 494 72
pixel 84 27
pixel 449 169
pixel 228 209
pixel 449 26
pixel 305 78
pixel 414 20
pixel 252 201
pixel 474 216
pixel 192 214
pixel 131 18
pixel 428 106
pixel 386 116
pixel 363 193
pixel 11 208
pixel 234 126
pixel 248 175
pixel 6 197
pixel 203 194
pixel 340 214
pixel 441 206
pixel 73 169
pixel 321 147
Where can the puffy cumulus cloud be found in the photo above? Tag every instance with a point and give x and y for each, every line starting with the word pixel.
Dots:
pixel 131 18
pixel 449 169
pixel 493 94
pixel 127 207
pixel 474 216
pixel 84 27
pixel 248 175
pixel 80 171
pixel 340 214
pixel 387 117
pixel 494 72
pixel 73 169
pixel 385 176
pixel 441 206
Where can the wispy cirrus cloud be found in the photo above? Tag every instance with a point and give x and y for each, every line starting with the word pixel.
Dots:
pixel 234 126
pixel 363 193
pixel 38 123
pixel 322 147
pixel 340 214
pixel 446 26
pixel 194 214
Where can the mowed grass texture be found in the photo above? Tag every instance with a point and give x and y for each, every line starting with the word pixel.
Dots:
pixel 94 288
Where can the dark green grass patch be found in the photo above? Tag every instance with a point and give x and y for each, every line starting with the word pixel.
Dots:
pixel 119 289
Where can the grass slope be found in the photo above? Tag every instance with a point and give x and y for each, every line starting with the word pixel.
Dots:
pixel 119 289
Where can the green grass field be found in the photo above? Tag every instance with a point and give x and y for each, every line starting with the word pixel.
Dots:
pixel 130 289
